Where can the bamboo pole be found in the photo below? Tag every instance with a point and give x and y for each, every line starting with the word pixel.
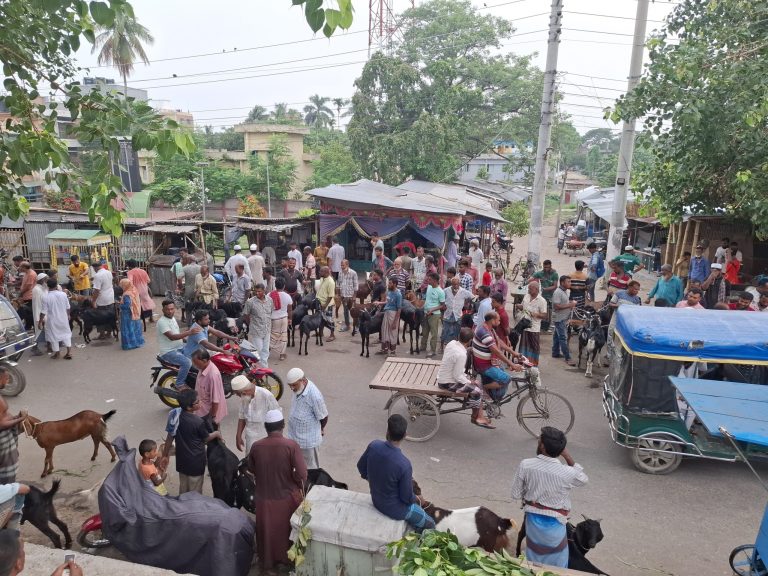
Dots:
pixel 670 237
pixel 695 235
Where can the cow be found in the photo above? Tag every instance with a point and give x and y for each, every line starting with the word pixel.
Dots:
pixel 582 538
pixel 39 511
pixel 477 526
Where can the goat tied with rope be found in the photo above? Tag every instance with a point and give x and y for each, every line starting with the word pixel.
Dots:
pixel 48 435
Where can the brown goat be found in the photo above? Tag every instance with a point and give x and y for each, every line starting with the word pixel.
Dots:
pixel 50 434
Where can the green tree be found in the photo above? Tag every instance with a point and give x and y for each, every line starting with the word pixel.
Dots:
pixel 37 41
pixel 334 166
pixel 226 139
pixel 339 103
pixel 257 114
pixel 604 138
pixel 317 113
pixel 517 215
pixel 120 44
pixel 703 98
pixel 284 115
pixel 444 97
pixel 172 192
pixel 566 142
pixel 282 170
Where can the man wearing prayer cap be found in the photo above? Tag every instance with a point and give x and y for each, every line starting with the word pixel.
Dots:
pixel 234 260
pixel 279 474
pixel 256 402
pixel 308 416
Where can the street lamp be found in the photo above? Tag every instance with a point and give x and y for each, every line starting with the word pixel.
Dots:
pixel 202 181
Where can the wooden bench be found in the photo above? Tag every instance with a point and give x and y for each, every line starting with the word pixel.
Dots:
pixel 410 375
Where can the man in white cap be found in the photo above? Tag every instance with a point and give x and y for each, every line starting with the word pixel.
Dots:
pixel 255 402
pixel 475 253
pixel 234 260
pixel 716 288
pixel 256 265
pixel 631 262
pixel 54 316
pixel 308 416
pixel 38 292
pixel 279 473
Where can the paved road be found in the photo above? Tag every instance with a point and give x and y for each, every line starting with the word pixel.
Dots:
pixel 683 524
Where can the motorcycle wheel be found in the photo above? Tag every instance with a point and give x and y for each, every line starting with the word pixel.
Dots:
pixel 16 381
pixel 167 380
pixel 92 539
pixel 495 246
pixel 273 383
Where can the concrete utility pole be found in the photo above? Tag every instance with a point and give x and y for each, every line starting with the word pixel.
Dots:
pixel 627 146
pixel 545 134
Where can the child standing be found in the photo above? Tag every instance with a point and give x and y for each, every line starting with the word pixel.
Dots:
pixel 488 274
pixel 148 468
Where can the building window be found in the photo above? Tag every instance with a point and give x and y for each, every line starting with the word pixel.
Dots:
pixel 33 193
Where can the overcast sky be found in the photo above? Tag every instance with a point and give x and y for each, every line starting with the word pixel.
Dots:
pixel 196 41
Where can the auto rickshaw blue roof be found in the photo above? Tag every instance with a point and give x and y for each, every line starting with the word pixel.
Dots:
pixel 684 333
pixel 742 409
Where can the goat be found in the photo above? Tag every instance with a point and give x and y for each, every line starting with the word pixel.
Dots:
pixel 299 311
pixel 97 317
pixel 25 313
pixel 39 511
pixel 222 467
pixel 75 315
pixel 364 290
pixel 369 324
pixel 582 538
pixel 355 311
pixel 48 435
pixel 313 323
pixel 412 315
pixel 477 526
pixel 592 337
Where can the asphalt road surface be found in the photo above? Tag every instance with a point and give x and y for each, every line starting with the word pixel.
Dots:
pixel 685 523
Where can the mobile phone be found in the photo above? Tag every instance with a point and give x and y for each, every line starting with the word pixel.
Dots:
pixel 67 559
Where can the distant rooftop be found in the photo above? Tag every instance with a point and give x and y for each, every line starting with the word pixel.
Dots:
pixel 272 128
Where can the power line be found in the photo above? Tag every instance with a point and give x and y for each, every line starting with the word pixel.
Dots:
pixel 608 16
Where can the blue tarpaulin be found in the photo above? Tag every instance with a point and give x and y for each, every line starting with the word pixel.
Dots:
pixel 742 409
pixel 705 335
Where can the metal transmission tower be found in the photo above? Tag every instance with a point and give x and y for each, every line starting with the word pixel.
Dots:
pixel 382 25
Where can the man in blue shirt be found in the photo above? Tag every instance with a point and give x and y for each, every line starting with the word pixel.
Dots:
pixel 699 267
pixel 390 477
pixel 200 338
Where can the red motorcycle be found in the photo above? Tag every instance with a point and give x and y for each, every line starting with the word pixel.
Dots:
pixel 243 360
pixel 90 536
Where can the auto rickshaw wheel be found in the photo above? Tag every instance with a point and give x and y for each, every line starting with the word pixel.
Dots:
pixel 745 561
pixel 17 381
pixel 653 455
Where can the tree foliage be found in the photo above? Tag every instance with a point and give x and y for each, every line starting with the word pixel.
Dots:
pixel 37 41
pixel 120 43
pixel 517 215
pixel 282 170
pixel 317 113
pixel 226 139
pixel 444 97
pixel 703 98
pixel 256 114
pixel 328 19
pixel 335 165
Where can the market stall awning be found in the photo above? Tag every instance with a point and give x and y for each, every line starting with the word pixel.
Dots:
pixel 78 237
pixel 454 194
pixel 268 227
pixel 168 229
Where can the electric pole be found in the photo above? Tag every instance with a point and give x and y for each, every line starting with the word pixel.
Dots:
pixel 545 134
pixel 627 146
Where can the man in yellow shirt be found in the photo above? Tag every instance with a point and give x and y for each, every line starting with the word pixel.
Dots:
pixel 78 273
pixel 321 255
pixel 326 290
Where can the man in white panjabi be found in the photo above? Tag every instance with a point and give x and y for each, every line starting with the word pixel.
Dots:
pixel 255 403
pixel 38 293
pixel 55 318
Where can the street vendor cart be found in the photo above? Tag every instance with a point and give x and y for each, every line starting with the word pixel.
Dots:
pixel 89 245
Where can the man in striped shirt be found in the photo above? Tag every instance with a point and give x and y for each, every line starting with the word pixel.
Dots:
pixel 544 485
pixel 488 355
pixel 347 283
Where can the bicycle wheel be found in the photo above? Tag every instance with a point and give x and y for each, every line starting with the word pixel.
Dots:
pixel 421 413
pixel 273 383
pixel 544 408
pixel 515 272
pixel 745 561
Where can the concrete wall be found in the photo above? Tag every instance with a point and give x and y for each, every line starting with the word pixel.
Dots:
pixel 42 561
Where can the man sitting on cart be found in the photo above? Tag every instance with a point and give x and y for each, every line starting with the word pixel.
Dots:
pixel 452 376
pixel 488 356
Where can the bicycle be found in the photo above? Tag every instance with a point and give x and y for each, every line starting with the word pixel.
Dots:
pixel 527 267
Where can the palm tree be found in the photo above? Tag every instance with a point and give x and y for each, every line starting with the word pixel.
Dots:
pixel 339 103
pixel 317 113
pixel 257 114
pixel 280 113
pixel 120 45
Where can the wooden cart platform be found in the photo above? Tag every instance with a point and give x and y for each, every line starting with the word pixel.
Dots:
pixel 409 375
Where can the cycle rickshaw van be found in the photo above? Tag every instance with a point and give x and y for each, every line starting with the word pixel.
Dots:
pixel 645 412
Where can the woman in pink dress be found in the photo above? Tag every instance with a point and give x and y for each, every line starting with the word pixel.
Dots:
pixel 140 280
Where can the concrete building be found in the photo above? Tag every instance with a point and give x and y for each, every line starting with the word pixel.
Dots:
pixel 257 139
pixel 183 119
pixel 494 165
pixel 109 85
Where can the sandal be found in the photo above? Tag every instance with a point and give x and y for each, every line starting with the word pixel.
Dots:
pixel 67 357
pixel 283 356
pixel 55 356
pixel 487 425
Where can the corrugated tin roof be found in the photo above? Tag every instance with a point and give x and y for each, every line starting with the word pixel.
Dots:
pixel 454 194
pixel 169 229
pixel 385 196
pixel 76 235
pixel 602 204
pixel 49 215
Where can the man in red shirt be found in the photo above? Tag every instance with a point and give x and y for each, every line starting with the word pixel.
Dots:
pixel 744 303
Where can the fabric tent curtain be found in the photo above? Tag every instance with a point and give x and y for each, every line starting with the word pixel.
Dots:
pixel 331 224
pixel 385 228
pixel 232 234
pixel 433 234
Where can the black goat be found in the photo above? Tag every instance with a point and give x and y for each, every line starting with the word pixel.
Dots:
pixel 315 322
pixel 412 317
pixel 369 324
pixel 25 313
pixel 592 337
pixel 319 477
pixel 75 315
pixel 39 511
pixel 100 318
pixel 582 538
pixel 222 467
pixel 298 314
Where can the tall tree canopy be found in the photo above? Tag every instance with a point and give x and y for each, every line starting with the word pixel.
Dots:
pixel 317 113
pixel 704 99
pixel 37 40
pixel 121 43
pixel 444 96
